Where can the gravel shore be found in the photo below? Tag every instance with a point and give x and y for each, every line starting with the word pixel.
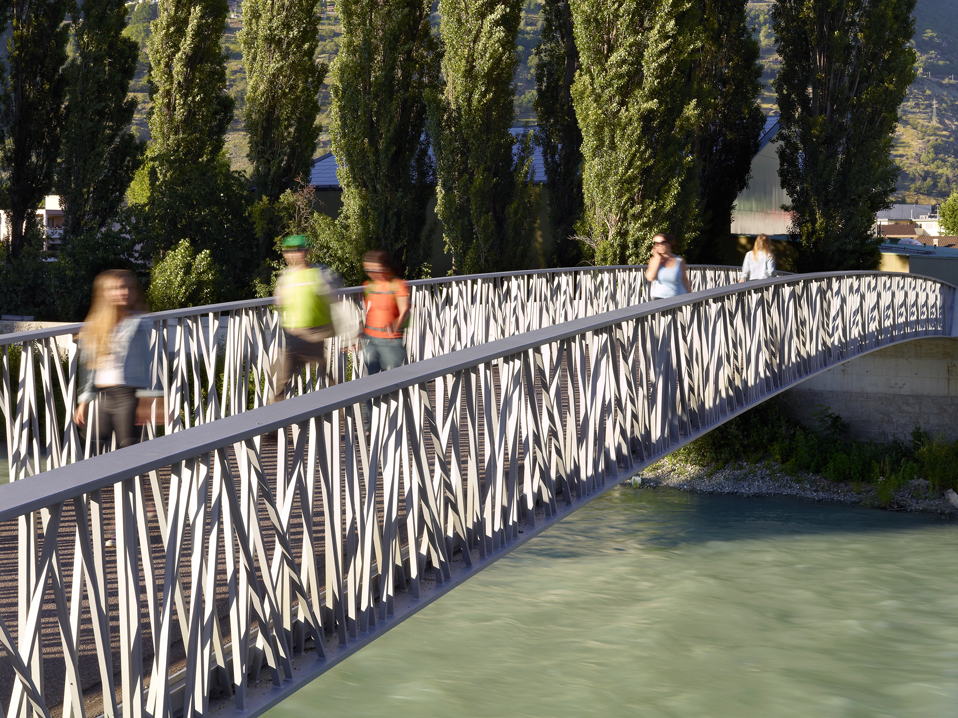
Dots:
pixel 768 479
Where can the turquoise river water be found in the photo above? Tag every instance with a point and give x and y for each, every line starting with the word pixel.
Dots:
pixel 661 603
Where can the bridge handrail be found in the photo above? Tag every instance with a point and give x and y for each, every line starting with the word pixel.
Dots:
pixel 11 338
pixel 122 464
pixel 563 412
pixel 17 498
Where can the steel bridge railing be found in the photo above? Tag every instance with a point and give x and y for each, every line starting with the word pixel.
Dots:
pixel 215 361
pixel 276 559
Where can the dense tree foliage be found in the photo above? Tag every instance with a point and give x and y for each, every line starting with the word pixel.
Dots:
pixel 727 136
pixel 558 133
pixel 279 41
pixel 846 66
pixel 138 27
pixel 638 111
pixel 31 108
pixel 186 188
pixel 99 154
pixel 387 63
pixel 69 280
pixel 191 110
pixel 183 278
pixel 486 199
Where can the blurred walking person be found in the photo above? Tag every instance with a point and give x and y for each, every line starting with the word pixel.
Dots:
pixel 115 359
pixel 386 299
pixel 759 262
pixel 303 299
pixel 667 271
pixel 115 367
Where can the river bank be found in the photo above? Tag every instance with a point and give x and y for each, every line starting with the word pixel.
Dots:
pixel 770 479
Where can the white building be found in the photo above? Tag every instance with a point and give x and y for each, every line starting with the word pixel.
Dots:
pixel 924 217
pixel 50 217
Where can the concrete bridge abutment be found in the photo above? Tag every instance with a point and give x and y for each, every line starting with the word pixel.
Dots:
pixel 884 395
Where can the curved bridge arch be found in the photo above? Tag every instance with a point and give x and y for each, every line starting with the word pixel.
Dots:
pixel 470 454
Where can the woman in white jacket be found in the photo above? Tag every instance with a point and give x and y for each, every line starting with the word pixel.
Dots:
pixel 760 262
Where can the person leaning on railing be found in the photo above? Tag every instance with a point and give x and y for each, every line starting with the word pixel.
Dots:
pixel 759 262
pixel 115 362
pixel 668 272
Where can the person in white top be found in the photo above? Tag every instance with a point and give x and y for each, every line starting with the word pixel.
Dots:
pixel 760 262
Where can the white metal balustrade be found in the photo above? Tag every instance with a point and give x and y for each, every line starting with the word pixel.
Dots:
pixel 215 361
pixel 275 560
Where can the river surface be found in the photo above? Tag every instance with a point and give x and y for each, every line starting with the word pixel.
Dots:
pixel 660 603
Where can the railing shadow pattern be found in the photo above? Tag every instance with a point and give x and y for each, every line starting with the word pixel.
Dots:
pixel 263 559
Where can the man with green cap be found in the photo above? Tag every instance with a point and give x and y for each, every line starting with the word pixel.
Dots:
pixel 304 304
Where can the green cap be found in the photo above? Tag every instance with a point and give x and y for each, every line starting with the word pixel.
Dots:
pixel 295 241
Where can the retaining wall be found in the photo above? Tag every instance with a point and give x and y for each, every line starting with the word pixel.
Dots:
pixel 886 394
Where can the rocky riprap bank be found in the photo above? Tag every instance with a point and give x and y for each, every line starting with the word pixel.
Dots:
pixel 770 479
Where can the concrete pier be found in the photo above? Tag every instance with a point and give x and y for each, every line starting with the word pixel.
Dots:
pixel 886 394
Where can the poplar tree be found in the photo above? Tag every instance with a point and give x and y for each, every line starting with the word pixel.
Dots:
pixel 191 110
pixel 279 40
pixel 727 136
pixel 31 108
pixel 388 61
pixel 486 200
pixel 558 134
pixel 637 111
pixel 186 189
pixel 100 153
pixel 846 67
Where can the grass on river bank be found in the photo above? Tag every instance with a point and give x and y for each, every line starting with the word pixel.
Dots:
pixel 883 474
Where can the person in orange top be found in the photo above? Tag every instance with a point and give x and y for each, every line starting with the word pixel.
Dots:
pixel 387 308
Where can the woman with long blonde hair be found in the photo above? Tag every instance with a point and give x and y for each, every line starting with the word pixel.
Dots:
pixel 759 262
pixel 114 354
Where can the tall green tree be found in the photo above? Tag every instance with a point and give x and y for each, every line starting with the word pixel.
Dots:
pixel 948 214
pixel 186 188
pixel 31 108
pixel 558 133
pixel 638 111
pixel 99 153
pixel 727 136
pixel 388 62
pixel 846 66
pixel 279 40
pixel 191 109
pixel 486 200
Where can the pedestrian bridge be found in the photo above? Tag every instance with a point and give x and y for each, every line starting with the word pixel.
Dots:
pixel 271 559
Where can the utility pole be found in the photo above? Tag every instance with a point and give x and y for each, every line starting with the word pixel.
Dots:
pixel 934 111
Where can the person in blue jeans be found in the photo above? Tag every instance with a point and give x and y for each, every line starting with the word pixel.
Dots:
pixel 386 299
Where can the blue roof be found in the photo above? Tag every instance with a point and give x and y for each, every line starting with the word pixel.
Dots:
pixel 323 175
